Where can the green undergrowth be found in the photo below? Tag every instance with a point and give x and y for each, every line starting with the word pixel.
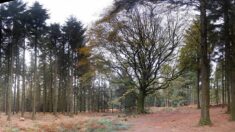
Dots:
pixel 105 125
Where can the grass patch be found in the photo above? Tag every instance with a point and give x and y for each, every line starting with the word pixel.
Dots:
pixel 12 129
pixel 105 125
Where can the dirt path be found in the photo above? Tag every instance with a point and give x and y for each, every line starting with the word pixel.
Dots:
pixel 183 119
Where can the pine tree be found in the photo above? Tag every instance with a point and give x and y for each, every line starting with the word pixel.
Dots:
pixel 15 33
pixel 55 37
pixel 37 17
pixel 74 37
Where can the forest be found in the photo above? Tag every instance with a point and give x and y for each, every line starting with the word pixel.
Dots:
pixel 165 61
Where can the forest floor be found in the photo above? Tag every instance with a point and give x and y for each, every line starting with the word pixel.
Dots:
pixel 181 119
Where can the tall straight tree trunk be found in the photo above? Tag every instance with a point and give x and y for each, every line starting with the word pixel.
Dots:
pixel 51 85
pixel 34 82
pixel 65 95
pixel 217 92
pixel 10 82
pixel 23 85
pixel 233 86
pixel 223 85
pixel 30 94
pixel 18 84
pixel 70 98
pixel 233 70
pixel 227 53
pixel 7 84
pixel 1 83
pixel 205 115
pixel 198 83
pixel 55 87
pixel 44 87
pixel 60 93
pixel 38 96
pixel 14 96
pixel 70 95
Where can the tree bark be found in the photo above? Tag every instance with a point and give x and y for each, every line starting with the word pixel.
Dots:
pixel 217 91
pixel 140 102
pixel 55 88
pixel 70 96
pixel 34 82
pixel 51 85
pixel 10 82
pixel 23 85
pixel 44 87
pixel 14 96
pixel 223 85
pixel 233 70
pixel 205 115
pixel 198 84
pixel 18 85
pixel 227 53
pixel 233 88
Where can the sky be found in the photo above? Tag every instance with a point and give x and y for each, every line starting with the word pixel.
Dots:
pixel 86 11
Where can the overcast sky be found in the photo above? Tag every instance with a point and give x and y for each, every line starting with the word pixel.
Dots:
pixel 86 11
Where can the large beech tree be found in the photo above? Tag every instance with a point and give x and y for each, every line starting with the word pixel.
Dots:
pixel 140 45
pixel 205 67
